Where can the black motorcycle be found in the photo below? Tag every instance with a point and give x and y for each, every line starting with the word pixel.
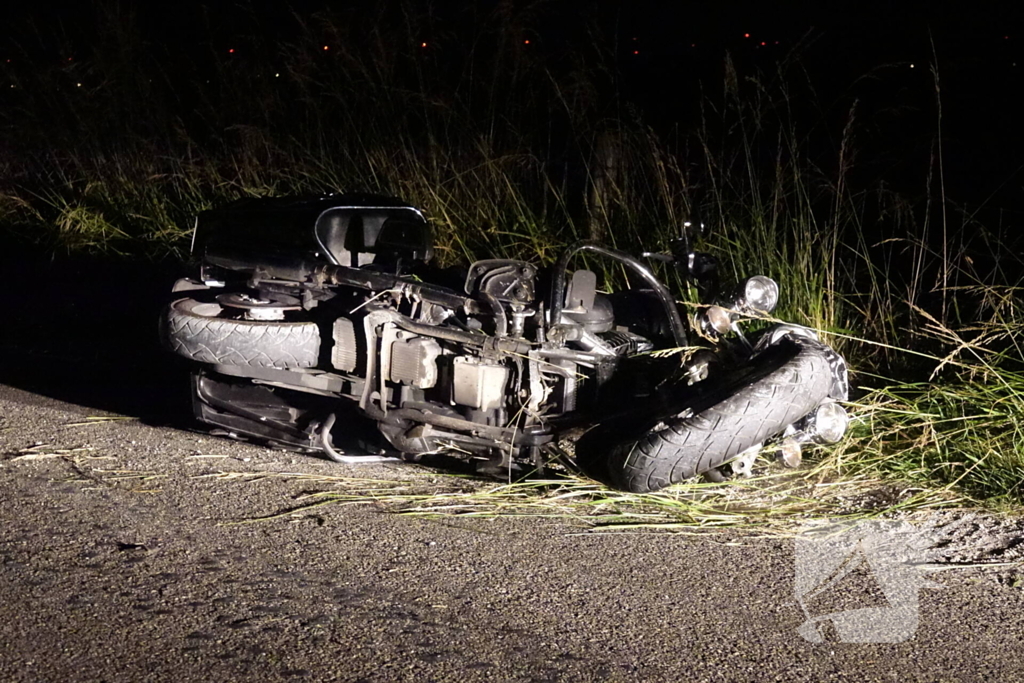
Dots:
pixel 311 318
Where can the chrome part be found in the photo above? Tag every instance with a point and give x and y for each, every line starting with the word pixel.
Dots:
pixel 592 343
pixel 698 366
pixel 507 280
pixel 580 357
pixel 719 319
pixel 478 383
pixel 743 464
pixel 519 315
pixel 562 333
pixel 389 333
pixel 828 423
pixel 371 322
pixel 759 294
pixel 268 314
pixel 344 355
pixel 248 301
pixel 270 309
pixel 698 372
pixel 735 327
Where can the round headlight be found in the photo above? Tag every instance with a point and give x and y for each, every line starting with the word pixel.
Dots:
pixel 830 423
pixel 760 293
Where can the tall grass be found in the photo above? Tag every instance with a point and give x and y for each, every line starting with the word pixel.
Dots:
pixel 117 150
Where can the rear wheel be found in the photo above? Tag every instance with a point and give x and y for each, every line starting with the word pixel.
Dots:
pixel 757 402
pixel 200 332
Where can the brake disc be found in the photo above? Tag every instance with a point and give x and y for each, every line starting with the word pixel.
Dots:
pixel 270 308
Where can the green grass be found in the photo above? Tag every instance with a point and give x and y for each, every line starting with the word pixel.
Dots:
pixel 961 426
pixel 909 287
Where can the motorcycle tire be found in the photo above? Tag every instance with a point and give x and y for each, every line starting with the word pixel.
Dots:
pixel 194 331
pixel 755 403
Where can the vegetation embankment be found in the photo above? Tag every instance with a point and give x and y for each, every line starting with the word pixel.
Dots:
pixel 503 138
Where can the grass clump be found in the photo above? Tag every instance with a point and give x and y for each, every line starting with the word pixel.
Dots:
pixel 961 428
pixel 775 503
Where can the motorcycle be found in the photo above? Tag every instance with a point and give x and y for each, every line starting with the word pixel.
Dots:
pixel 311 318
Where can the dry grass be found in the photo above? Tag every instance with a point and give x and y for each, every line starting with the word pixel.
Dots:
pixel 775 502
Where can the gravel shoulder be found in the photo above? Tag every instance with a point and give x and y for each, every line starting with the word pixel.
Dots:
pixel 119 564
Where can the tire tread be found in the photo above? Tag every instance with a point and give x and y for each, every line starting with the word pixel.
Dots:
pixel 684 447
pixel 240 342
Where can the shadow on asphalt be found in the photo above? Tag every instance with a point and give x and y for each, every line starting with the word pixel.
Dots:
pixel 84 330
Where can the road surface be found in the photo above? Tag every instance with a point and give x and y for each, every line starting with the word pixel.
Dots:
pixel 121 562
pixel 118 565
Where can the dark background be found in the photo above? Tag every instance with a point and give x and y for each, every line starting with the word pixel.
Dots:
pixel 884 57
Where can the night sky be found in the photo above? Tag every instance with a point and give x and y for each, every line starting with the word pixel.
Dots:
pixel 666 51
pixel 858 30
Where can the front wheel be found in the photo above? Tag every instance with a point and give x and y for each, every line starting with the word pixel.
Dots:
pixel 774 390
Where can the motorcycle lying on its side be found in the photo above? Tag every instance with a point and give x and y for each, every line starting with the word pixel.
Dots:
pixel 310 318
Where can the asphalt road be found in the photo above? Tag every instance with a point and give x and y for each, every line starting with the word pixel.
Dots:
pixel 121 562
pixel 118 566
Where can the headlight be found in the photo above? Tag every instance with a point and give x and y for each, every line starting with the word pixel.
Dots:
pixel 759 293
pixel 828 423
